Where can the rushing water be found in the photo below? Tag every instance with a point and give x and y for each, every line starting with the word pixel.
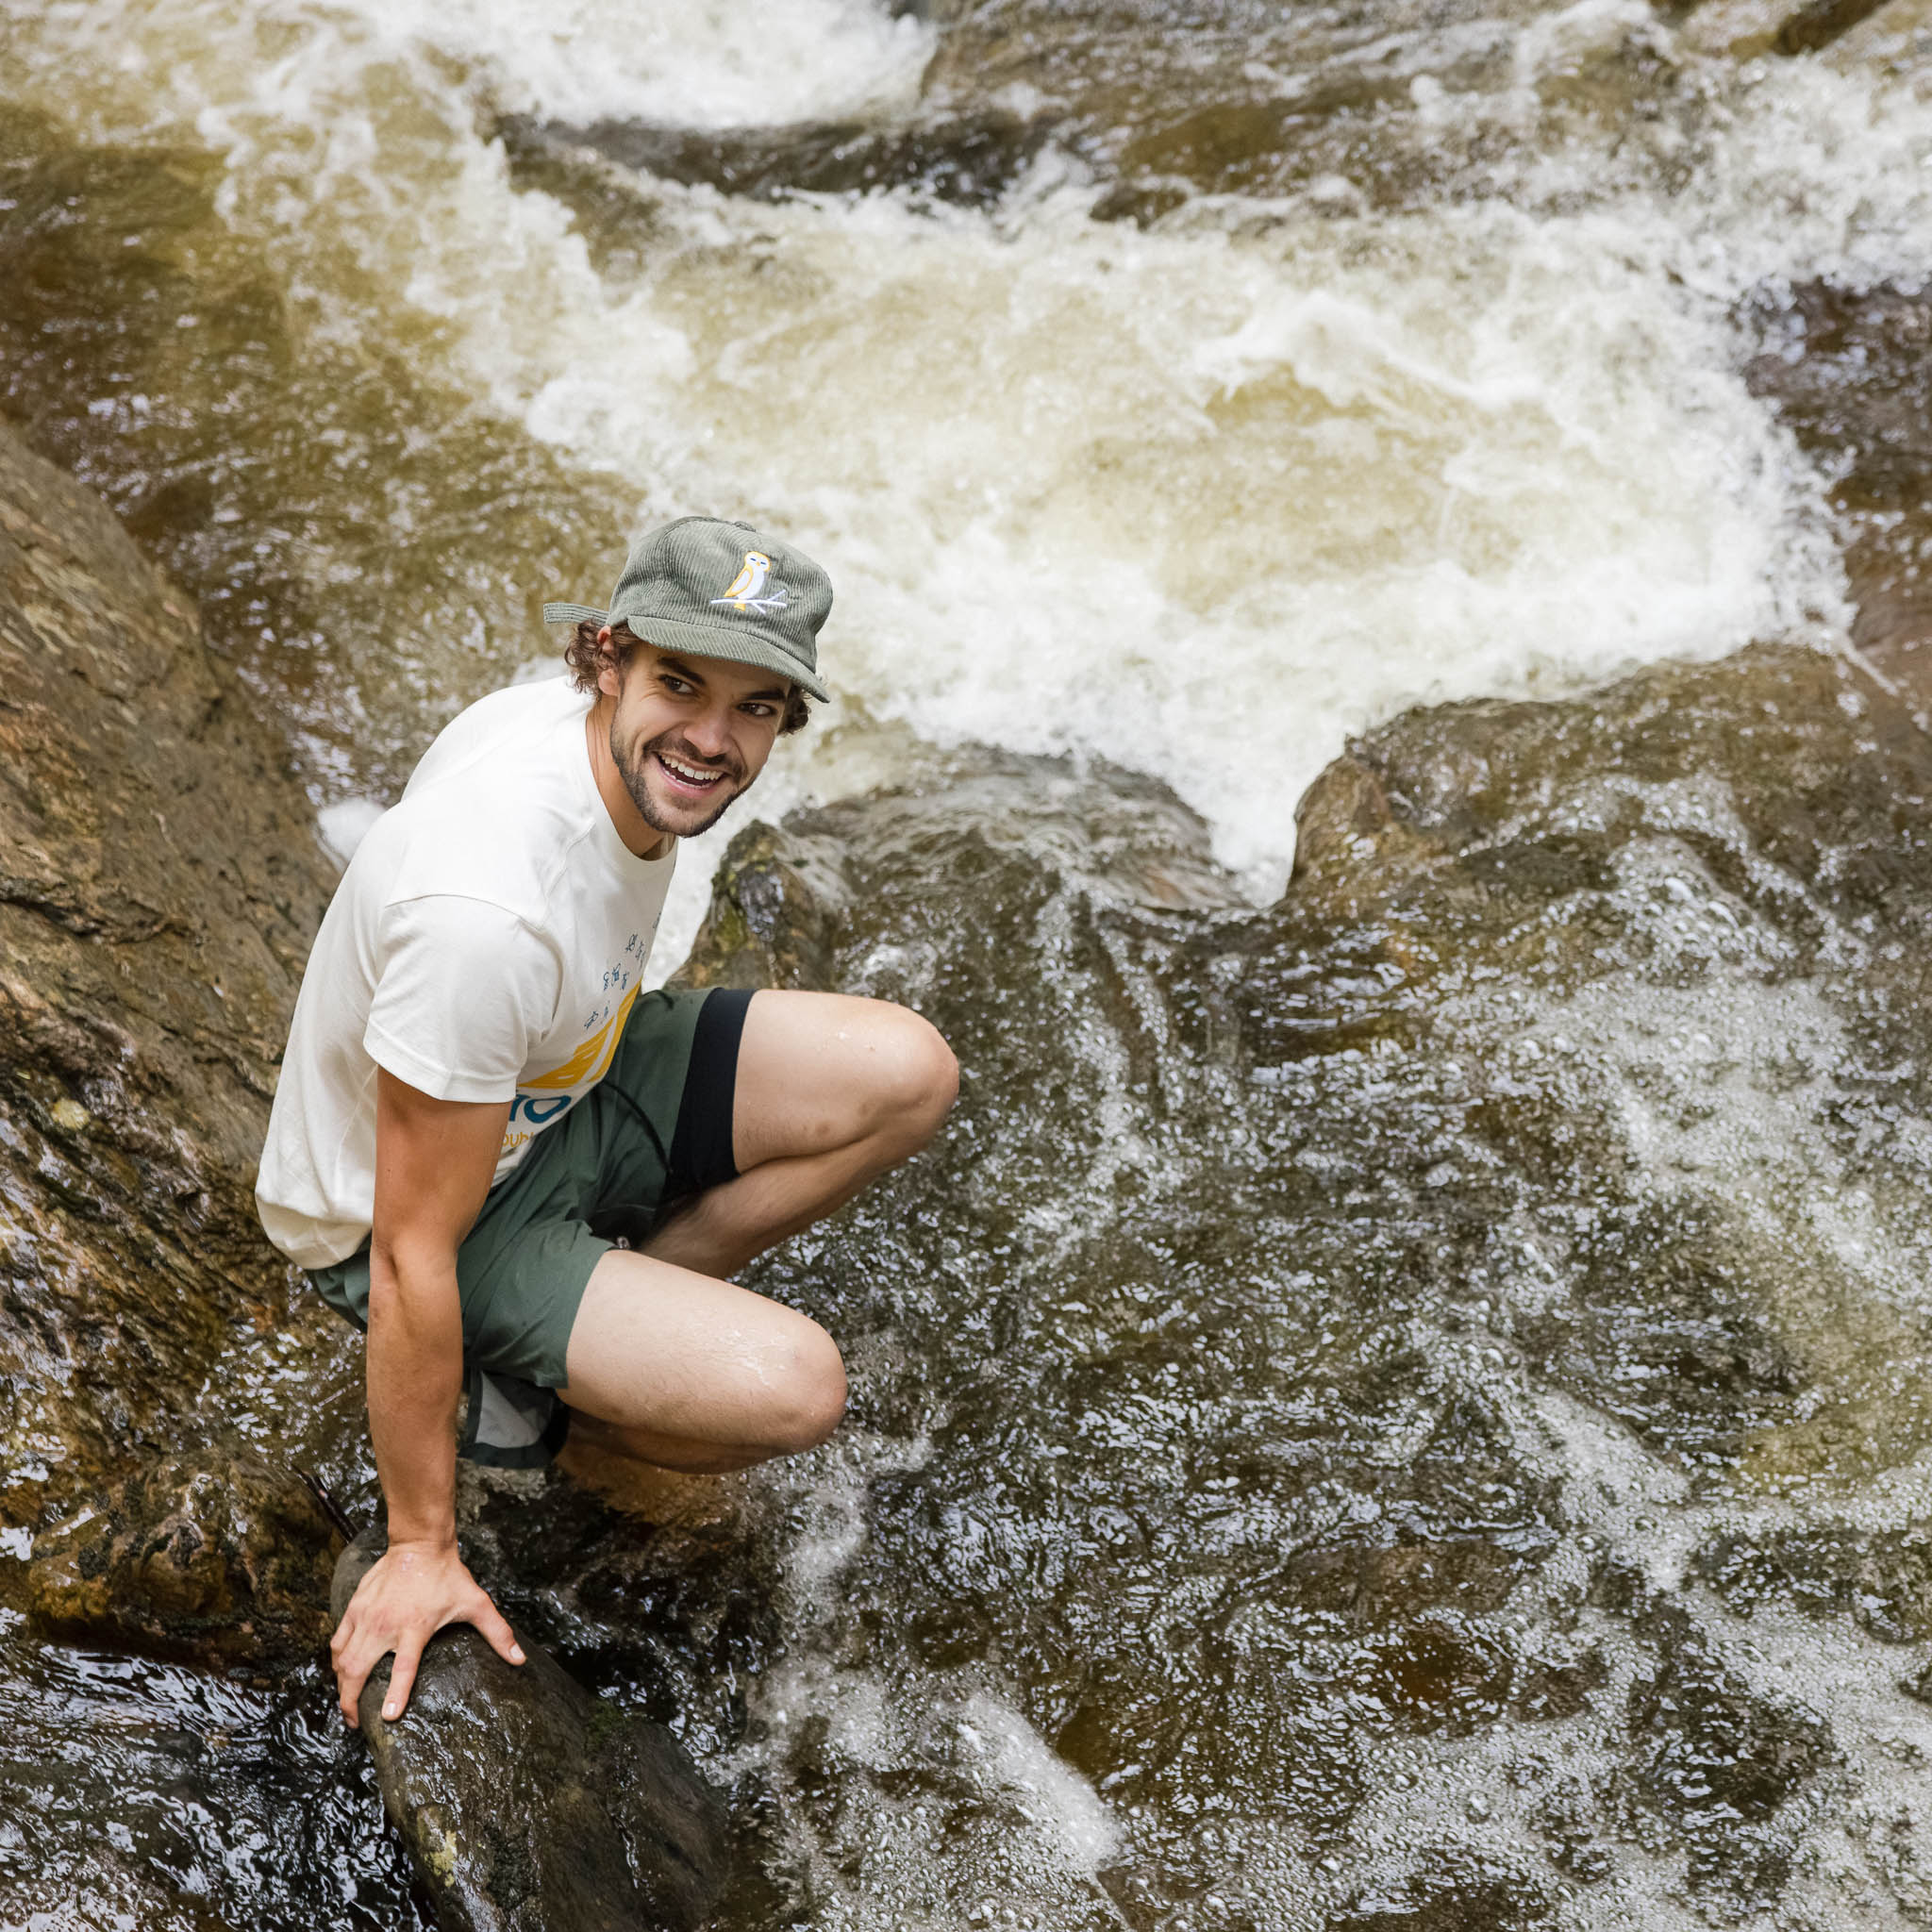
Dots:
pixel 381 363
pixel 1188 387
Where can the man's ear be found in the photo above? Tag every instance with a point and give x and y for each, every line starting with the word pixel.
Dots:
pixel 609 665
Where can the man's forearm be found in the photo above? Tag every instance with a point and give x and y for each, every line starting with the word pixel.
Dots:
pixel 415 1376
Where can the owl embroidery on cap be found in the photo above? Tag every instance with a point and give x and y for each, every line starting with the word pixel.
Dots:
pixel 747 588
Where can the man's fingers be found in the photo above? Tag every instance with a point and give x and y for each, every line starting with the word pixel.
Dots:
pixel 352 1673
pixel 387 1624
pixel 402 1678
pixel 496 1626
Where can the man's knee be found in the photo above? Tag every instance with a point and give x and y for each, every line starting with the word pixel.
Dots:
pixel 810 1399
pixel 914 1077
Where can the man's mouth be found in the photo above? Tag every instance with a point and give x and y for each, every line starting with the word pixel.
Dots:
pixel 691 781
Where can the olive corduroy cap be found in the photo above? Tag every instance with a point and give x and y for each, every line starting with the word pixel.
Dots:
pixel 718 588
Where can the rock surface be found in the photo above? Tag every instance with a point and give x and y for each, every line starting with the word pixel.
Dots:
pixel 160 881
pixel 793 900
pixel 1310 1316
pixel 226 1560
pixel 530 1806
pixel 1851 371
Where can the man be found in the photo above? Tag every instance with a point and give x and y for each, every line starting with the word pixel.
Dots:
pixel 478 1108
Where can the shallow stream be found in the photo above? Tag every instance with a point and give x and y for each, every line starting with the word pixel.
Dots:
pixel 1402 1416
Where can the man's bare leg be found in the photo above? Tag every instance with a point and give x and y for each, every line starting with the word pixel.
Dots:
pixel 673 1365
pixel 697 1374
pixel 831 1092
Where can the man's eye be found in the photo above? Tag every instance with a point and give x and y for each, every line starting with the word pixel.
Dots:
pixel 675 684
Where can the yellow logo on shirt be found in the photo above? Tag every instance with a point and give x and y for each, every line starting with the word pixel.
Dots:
pixel 591 1059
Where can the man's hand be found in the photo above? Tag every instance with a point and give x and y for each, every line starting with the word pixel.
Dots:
pixel 409 1593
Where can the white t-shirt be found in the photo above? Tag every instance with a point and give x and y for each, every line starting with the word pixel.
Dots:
pixel 486 944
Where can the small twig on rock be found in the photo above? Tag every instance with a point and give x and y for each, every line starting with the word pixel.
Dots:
pixel 331 1508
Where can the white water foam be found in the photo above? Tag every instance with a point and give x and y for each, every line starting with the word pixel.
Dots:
pixel 692 63
pixel 1202 499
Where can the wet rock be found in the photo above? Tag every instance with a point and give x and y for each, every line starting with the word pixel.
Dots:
pixel 1163 102
pixel 1851 371
pixel 781 909
pixel 1718 1752
pixel 225 1562
pixel 1457 1531
pixel 1373 1586
pixel 969 161
pixel 1548 1689
pixel 1567 1819
pixel 117 1888
pixel 159 880
pixel 527 1803
pixel 1439 1675
pixel 1456 1892
pixel 1821 23
pixel 1730 1767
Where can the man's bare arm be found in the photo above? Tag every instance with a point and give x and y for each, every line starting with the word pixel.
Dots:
pixel 433 1163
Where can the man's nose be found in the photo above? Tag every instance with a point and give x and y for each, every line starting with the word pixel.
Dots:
pixel 709 732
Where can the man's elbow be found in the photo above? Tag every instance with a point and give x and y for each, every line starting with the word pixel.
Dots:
pixel 409 1276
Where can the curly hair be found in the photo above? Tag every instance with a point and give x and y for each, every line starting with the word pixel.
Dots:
pixel 586 657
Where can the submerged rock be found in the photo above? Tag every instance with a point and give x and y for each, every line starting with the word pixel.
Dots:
pixel 159 880
pixel 527 1803
pixel 223 1560
pixel 1881 1578
pixel 1818 23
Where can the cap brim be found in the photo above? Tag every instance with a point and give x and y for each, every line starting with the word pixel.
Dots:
pixel 733 643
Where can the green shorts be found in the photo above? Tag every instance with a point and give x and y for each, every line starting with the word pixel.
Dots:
pixel 654 1132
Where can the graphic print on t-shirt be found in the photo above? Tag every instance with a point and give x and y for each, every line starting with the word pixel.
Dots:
pixel 542 1099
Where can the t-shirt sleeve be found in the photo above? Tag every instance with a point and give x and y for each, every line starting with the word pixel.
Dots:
pixel 462 988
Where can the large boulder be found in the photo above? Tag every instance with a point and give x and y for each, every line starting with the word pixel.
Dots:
pixel 160 881
pixel 527 1803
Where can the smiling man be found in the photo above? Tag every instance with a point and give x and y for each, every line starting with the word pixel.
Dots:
pixel 519 1171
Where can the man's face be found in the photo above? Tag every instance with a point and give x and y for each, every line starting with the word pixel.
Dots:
pixel 688 734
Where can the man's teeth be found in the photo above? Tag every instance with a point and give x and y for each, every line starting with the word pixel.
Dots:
pixel 690 773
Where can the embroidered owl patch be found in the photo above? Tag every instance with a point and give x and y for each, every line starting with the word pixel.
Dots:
pixel 748 591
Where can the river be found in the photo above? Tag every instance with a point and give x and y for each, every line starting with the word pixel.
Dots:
pixel 1184 389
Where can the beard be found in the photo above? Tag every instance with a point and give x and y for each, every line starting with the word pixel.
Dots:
pixel 634 765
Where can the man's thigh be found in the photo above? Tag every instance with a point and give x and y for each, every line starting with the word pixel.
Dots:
pixel 663 1348
pixel 818 1071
